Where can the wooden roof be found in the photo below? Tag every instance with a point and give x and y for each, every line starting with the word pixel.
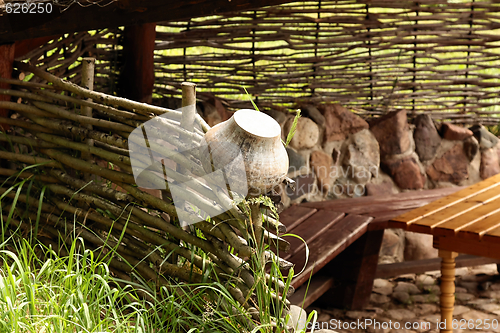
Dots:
pixel 118 13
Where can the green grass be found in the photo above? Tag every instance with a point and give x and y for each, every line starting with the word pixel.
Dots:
pixel 69 287
pixel 41 291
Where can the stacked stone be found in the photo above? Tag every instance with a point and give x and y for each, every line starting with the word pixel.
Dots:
pixel 337 154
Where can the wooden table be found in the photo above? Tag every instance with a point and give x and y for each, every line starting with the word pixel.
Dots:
pixel 467 221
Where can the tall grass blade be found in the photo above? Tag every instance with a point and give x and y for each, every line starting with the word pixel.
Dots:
pixel 293 128
pixel 251 101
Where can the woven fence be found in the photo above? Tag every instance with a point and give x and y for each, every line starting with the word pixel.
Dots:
pixel 62 57
pixel 65 174
pixel 440 56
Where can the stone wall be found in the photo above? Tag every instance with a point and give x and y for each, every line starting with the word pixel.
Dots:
pixel 337 154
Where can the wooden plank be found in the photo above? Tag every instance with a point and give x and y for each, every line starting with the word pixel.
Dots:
pixel 468 219
pixel 438 218
pixel 492 236
pixel 486 248
pixel 486 196
pixel 481 227
pixel 354 280
pixel 364 202
pixel 13 27
pixel 371 209
pixel 452 199
pixel 378 225
pixel 295 215
pixel 387 215
pixel 318 286
pixel 452 211
pixel 328 245
pixel 426 265
pixel 310 229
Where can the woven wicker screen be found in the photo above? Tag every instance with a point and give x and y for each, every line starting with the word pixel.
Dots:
pixel 432 56
pixel 62 57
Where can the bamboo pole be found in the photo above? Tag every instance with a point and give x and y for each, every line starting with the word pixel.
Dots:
pixel 27 109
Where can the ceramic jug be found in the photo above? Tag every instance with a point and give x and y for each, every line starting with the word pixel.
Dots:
pixel 249 150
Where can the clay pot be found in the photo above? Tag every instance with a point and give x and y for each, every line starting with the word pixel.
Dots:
pixel 248 148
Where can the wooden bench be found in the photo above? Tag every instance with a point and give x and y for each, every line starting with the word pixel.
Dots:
pixel 344 238
pixel 467 221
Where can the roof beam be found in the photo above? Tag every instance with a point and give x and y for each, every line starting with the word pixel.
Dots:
pixel 21 26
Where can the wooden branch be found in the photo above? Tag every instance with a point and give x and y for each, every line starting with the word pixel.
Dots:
pixel 88 66
pixel 71 130
pixel 83 119
pixel 25 174
pixel 29 159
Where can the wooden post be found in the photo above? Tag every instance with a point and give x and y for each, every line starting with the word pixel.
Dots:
pixel 447 288
pixel 187 118
pixel 188 105
pixel 88 66
pixel 137 77
pixel 6 61
pixel 353 271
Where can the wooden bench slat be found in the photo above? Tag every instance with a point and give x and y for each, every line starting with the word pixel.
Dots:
pixel 318 286
pixel 453 199
pixel 372 208
pixel 310 229
pixel 426 195
pixel 485 225
pixel 387 215
pixel 468 219
pixel 492 235
pixel 329 245
pixel 436 219
pixel 295 215
pixel 471 207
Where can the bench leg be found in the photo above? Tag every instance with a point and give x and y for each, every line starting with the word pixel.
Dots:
pixel 353 272
pixel 447 289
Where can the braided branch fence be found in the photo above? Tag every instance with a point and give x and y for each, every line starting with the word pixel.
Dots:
pixel 62 58
pixel 48 147
pixel 438 57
